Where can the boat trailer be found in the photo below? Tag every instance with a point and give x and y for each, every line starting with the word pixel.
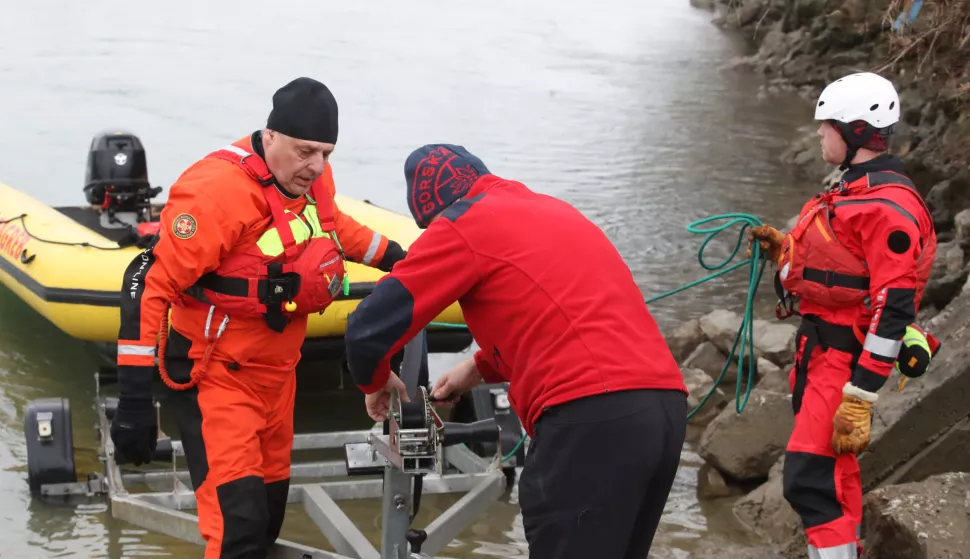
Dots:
pixel 413 446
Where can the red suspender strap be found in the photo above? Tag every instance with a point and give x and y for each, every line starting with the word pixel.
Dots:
pixel 256 168
pixel 254 165
pixel 282 224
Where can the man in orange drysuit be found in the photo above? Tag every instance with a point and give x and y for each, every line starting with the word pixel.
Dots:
pixel 250 242
pixel 858 260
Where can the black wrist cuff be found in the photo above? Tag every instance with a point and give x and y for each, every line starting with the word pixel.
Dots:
pixel 392 254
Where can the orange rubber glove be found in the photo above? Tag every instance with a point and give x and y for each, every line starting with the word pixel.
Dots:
pixel 850 426
pixel 770 240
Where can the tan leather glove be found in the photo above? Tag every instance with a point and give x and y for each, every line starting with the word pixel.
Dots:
pixel 770 240
pixel 850 427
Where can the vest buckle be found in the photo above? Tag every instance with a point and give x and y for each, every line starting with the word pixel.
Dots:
pixel 280 287
pixel 263 179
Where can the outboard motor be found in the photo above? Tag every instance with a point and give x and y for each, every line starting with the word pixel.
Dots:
pixel 116 180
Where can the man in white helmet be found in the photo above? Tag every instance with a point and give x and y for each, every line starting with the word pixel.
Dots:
pixel 857 262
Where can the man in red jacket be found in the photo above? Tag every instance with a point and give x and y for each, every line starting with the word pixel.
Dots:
pixel 858 260
pixel 556 313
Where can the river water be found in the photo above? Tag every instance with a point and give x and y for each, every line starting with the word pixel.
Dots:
pixel 619 107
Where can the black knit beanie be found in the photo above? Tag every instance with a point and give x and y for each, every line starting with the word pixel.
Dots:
pixel 305 109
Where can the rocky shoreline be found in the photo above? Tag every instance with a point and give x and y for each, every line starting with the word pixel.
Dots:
pixel 915 469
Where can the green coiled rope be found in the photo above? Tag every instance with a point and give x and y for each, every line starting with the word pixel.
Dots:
pixel 756 267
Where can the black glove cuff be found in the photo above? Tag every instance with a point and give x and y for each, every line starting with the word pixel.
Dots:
pixel 392 254
pixel 135 383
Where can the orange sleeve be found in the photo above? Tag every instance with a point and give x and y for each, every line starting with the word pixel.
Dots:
pixel 360 243
pixel 194 234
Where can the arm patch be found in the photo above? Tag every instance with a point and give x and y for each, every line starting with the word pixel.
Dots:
pixel 899 242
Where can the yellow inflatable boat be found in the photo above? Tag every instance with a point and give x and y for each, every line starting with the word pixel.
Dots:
pixel 68 262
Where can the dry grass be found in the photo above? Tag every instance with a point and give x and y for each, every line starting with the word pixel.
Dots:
pixel 939 37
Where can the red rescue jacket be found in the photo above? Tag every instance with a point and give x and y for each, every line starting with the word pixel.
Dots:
pixel 860 256
pixel 816 266
pixel 546 295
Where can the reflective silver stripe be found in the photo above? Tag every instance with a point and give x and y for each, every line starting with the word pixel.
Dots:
pixel 237 150
pixel 136 350
pixel 882 346
pixel 375 243
pixel 845 551
pixel 889 203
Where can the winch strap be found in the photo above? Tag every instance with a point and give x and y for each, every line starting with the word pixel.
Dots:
pixel 415 359
pixel 413 415
pixel 829 278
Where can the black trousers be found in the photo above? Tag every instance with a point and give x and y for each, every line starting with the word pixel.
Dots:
pixel 598 473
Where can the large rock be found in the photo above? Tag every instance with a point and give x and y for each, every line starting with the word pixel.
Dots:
pixel 745 445
pixel 940 291
pixel 712 485
pixel 765 510
pixel 772 377
pixel 954 259
pixel 962 223
pixel 699 384
pixel 905 423
pixel 949 259
pixel 803 11
pixel 940 268
pixel 774 341
pixel 924 520
pixel 684 338
pixel 946 199
pixel 720 327
pixel 948 453
pixel 805 154
pixel 708 358
pixel 776 43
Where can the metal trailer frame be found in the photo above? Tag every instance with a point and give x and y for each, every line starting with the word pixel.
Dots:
pixel 450 469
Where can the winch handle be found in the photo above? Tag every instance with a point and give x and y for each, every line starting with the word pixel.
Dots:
pixel 484 431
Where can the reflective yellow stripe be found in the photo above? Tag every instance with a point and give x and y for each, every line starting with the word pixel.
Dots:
pixel 303 229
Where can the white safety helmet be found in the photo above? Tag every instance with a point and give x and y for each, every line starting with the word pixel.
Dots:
pixel 862 96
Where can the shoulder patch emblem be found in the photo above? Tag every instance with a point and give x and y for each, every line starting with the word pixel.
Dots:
pixel 184 226
pixel 899 242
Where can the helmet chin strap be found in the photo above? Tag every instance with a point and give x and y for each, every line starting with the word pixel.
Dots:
pixel 853 142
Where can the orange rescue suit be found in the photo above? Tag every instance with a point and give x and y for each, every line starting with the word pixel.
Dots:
pixel 234 374
pixel 214 208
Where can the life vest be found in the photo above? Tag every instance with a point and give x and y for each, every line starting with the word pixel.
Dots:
pixel 296 266
pixel 813 263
